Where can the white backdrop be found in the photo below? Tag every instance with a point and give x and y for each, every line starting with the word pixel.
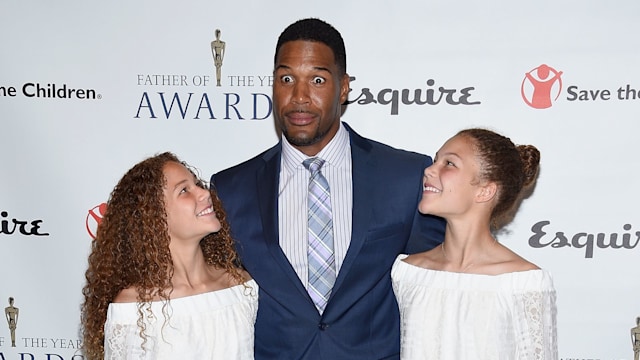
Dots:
pixel 61 156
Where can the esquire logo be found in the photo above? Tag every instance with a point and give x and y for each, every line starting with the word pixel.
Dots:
pixel 431 94
pixel 544 234
pixel 10 225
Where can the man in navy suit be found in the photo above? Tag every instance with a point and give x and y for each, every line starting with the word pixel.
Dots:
pixel 374 190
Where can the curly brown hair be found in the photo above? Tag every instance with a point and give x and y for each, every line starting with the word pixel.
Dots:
pixel 131 249
pixel 512 167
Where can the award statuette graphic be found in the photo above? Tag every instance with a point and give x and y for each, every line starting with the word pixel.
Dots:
pixel 635 339
pixel 11 312
pixel 217 49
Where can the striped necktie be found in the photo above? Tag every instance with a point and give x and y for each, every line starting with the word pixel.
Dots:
pixel 322 269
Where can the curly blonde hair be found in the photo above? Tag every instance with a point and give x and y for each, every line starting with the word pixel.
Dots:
pixel 131 249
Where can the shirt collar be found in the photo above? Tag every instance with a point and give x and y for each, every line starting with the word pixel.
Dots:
pixel 333 153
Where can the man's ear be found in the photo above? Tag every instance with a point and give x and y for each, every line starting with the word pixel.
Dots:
pixel 487 192
pixel 344 88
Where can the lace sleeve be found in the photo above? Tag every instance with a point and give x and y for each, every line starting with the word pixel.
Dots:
pixel 123 341
pixel 535 325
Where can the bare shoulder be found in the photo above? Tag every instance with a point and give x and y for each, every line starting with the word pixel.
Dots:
pixel 512 262
pixel 222 278
pixel 245 275
pixel 518 265
pixel 427 259
pixel 127 295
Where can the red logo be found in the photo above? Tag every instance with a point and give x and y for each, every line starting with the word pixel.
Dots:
pixel 94 218
pixel 541 86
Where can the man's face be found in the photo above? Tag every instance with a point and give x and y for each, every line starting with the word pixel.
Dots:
pixel 308 90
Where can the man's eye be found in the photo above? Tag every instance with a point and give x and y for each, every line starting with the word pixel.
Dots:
pixel 318 80
pixel 286 79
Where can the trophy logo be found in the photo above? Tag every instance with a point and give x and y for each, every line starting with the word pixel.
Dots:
pixel 11 313
pixel 635 339
pixel 217 50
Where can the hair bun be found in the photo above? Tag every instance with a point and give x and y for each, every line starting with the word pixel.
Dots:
pixel 530 157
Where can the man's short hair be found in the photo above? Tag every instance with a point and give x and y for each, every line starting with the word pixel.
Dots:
pixel 312 29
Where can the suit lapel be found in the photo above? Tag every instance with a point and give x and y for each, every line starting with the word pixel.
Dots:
pixel 267 182
pixel 363 165
pixel 267 190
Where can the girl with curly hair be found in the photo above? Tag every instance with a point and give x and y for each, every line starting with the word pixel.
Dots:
pixel 164 280
pixel 472 297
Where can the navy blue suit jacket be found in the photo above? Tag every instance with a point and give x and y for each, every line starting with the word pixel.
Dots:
pixel 361 319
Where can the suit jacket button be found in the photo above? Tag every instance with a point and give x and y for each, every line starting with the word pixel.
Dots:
pixel 323 326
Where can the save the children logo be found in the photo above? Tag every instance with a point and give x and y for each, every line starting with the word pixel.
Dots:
pixel 541 86
pixel 53 90
pixel 94 218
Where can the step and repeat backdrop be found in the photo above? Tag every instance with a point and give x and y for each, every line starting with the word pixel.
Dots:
pixel 88 89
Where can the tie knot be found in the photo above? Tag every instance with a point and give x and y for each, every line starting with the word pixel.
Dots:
pixel 313 164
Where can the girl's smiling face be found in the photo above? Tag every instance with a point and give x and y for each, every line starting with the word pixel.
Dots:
pixel 451 183
pixel 190 214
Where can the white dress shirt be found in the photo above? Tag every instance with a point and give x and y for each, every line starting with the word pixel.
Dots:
pixel 292 200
